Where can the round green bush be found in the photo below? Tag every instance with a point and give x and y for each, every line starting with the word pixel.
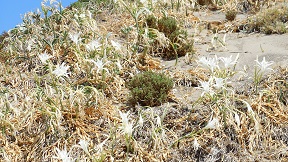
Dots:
pixel 167 25
pixel 149 88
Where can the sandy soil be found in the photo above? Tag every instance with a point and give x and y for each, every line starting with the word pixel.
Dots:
pixel 273 47
pixel 249 47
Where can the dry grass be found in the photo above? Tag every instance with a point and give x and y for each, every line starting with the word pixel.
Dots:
pixel 269 21
pixel 76 116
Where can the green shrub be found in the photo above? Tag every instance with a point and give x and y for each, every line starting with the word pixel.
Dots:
pixel 149 88
pixel 179 45
pixel 167 25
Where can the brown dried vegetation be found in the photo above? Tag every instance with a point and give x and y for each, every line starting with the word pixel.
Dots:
pixel 42 114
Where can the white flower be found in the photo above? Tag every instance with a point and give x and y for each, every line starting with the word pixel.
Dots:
pixel 212 124
pixel 237 119
pixel 144 2
pixel 116 45
pixel 75 38
pixel 44 57
pixel 126 126
pixel 210 63
pixel 128 129
pixel 61 70
pixel 124 117
pixel 196 145
pixel 118 63
pixel 75 16
pixel 38 11
pixel 29 44
pixel 84 145
pixel 141 121
pixel 100 65
pixel 155 1
pixel 263 64
pixel 158 121
pixel 205 86
pixel 21 27
pixel 228 61
pixel 93 45
pixel 63 155
pixel 218 83
pixel 204 61
pixel 82 16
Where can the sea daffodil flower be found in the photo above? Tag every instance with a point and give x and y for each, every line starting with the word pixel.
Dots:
pixel 61 70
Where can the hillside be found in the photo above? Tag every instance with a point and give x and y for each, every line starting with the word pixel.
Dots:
pixel 136 80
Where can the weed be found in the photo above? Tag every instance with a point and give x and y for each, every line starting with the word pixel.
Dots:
pixel 231 15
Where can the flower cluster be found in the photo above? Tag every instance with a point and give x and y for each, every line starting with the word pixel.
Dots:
pixel 213 63
pixel 213 84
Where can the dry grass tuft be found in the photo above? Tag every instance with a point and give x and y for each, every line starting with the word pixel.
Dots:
pixel 269 21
